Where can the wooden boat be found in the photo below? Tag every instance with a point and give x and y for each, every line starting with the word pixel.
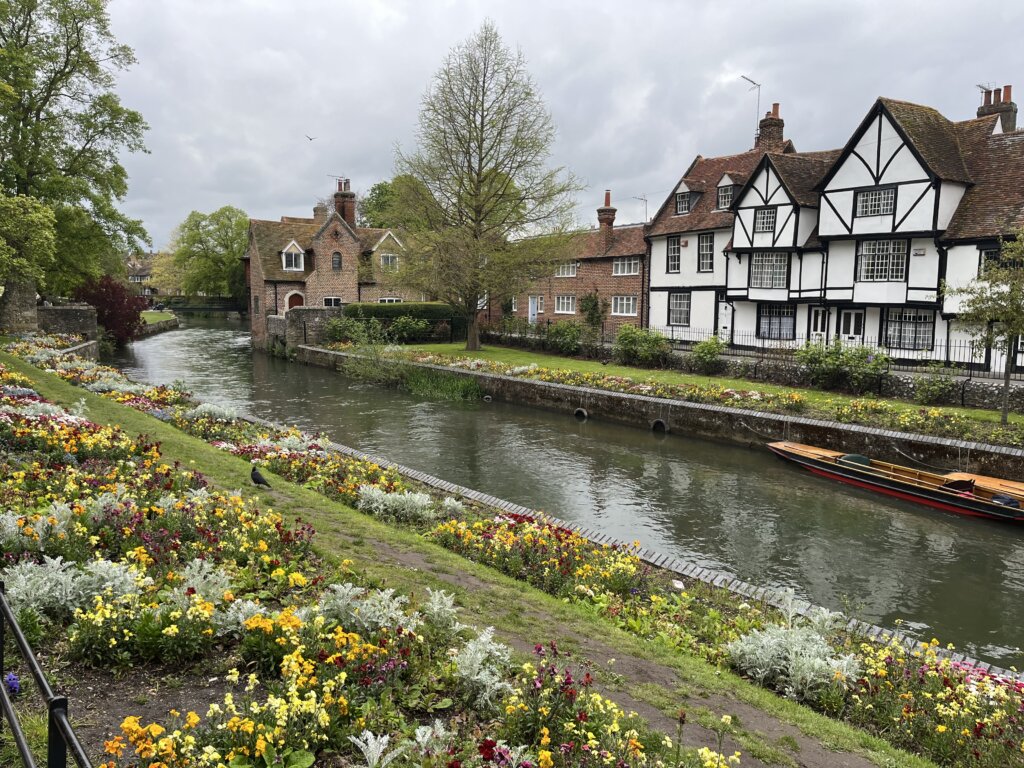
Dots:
pixel 960 492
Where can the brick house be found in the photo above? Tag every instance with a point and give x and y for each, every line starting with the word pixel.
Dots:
pixel 610 261
pixel 323 261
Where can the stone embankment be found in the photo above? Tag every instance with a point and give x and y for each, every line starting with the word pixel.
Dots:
pixel 735 425
pixel 151 329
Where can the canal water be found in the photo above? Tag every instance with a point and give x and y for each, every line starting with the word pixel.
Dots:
pixel 733 509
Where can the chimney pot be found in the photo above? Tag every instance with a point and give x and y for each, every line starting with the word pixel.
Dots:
pixel 997 96
pixel 775 109
pixel 341 185
pixel 988 98
pixel 1007 93
pixel 607 198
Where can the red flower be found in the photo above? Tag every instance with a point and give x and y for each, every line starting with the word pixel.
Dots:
pixel 486 749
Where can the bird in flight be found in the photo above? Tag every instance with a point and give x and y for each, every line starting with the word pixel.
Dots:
pixel 258 479
pixel 311 138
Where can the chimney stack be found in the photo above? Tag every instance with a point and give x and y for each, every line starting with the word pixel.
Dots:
pixel 770 136
pixel 345 202
pixel 606 220
pixel 1000 102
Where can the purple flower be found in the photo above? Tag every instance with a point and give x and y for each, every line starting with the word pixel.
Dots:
pixel 13 683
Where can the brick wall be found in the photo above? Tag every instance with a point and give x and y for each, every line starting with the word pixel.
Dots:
pixel 593 274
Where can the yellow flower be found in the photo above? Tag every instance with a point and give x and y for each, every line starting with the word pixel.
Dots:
pixel 544 759
pixel 940 729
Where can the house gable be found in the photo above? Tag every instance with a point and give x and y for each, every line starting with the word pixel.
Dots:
pixel 764 192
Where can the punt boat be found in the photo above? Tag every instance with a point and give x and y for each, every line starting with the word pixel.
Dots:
pixel 960 492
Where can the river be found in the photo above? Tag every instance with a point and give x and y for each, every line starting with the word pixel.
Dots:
pixel 733 509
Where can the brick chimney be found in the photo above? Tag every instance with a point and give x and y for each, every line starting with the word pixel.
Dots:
pixel 606 220
pixel 345 202
pixel 769 131
pixel 1000 102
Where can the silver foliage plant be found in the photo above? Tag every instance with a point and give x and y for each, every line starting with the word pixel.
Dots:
pixel 440 612
pixel 403 507
pixel 367 610
pixel 55 588
pixel 795 657
pixel 481 667
pixel 211 411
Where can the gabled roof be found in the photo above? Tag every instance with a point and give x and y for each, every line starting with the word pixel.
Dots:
pixel 994 206
pixel 932 135
pixel 627 240
pixel 800 173
pixel 268 238
pixel 704 173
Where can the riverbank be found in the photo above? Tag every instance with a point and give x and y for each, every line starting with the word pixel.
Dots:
pixel 656 679
pixel 157 322
pixel 743 426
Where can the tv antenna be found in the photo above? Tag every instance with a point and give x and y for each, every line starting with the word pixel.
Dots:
pixel 643 199
pixel 757 114
pixel 984 88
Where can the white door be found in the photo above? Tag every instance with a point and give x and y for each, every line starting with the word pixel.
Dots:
pixel 851 325
pixel 819 324
pixel 724 320
pixel 532 311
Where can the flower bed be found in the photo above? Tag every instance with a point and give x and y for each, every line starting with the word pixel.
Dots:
pixel 814 661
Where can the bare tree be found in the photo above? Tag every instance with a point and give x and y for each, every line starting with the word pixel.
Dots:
pixel 478 188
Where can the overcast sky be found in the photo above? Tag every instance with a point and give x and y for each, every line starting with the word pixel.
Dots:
pixel 230 88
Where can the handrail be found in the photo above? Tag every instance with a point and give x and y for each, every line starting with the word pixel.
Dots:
pixel 60 735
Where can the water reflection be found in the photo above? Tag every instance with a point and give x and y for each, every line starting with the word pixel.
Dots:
pixel 729 508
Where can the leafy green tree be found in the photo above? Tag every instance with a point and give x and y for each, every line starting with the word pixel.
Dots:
pixel 375 208
pixel 62 129
pixel 480 186
pixel 992 307
pixel 208 250
pixel 27 245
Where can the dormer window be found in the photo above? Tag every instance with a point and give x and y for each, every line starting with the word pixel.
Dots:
pixel 725 196
pixel 389 261
pixel 293 259
pixel 876 202
pixel 682 202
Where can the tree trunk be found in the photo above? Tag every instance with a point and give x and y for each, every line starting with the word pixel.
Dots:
pixel 473 331
pixel 18 307
pixel 1011 353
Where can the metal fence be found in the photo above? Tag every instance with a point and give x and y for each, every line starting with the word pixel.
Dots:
pixel 60 736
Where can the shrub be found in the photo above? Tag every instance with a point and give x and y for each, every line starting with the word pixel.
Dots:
pixel 427 310
pixel 117 309
pixel 838 366
pixel 936 386
pixel 641 346
pixel 407 328
pixel 707 355
pixel 564 337
pixel 345 329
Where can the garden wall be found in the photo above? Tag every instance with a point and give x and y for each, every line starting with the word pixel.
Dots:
pixel 151 329
pixel 74 318
pixel 735 425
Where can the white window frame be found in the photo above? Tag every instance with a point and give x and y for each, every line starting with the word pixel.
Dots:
pixel 682 203
pixel 515 303
pixel 389 261
pixel 769 269
pixel 624 306
pixel 673 254
pixel 764 220
pixel 565 304
pixel 726 193
pixel 297 259
pixel 679 315
pixel 389 300
pixel 876 202
pixel 625 265
pixel 333 301
pixel 568 269
pixel 882 261
pixel 706 252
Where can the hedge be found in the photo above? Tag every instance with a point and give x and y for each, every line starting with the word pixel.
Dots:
pixel 427 310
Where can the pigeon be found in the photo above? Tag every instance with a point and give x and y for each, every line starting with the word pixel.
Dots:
pixel 258 479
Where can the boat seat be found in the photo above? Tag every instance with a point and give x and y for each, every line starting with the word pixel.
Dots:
pixel 855 458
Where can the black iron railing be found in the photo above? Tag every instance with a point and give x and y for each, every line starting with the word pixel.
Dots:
pixel 60 736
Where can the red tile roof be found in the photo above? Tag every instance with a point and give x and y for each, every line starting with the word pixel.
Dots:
pixel 933 136
pixel 801 172
pixel 627 240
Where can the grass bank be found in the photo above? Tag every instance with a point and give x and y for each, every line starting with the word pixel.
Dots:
pixel 151 316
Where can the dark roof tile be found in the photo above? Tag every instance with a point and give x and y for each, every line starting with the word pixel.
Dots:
pixel 933 136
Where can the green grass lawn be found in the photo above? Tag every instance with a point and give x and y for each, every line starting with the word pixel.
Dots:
pixel 157 317
pixel 815 398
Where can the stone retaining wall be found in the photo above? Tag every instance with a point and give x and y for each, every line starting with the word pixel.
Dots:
pixel 719 579
pixel 74 318
pixel 151 329
pixel 735 425
pixel 89 350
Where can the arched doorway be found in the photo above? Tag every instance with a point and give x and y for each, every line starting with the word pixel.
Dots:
pixel 295 300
